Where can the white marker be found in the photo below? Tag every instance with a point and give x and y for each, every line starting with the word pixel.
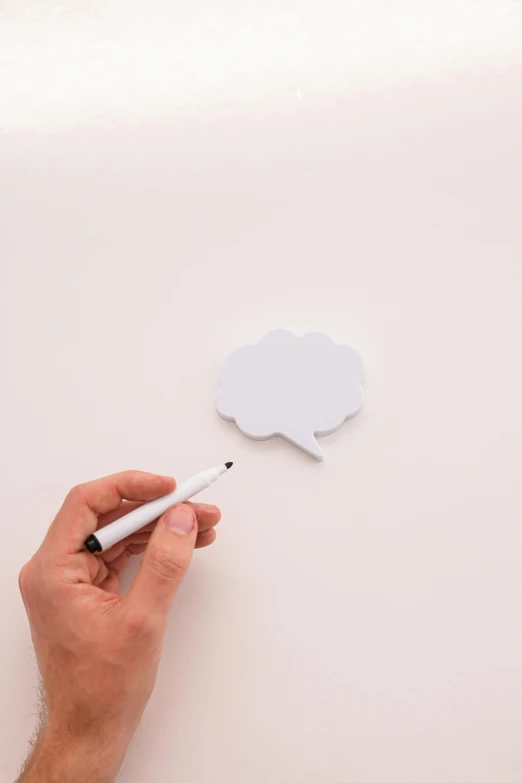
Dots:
pixel 141 516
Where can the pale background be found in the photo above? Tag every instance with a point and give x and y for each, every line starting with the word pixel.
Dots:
pixel 177 178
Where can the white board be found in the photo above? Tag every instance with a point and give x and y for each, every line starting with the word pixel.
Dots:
pixel 175 180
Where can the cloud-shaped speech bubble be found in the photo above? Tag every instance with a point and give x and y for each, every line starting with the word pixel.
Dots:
pixel 295 387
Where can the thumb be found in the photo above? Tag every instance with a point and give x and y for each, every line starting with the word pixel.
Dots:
pixel 166 560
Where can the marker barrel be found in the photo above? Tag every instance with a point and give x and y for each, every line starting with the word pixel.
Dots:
pixel 149 512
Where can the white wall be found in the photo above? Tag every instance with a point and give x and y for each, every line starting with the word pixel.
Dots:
pixel 175 180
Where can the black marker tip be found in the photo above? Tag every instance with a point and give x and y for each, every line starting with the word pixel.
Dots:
pixel 228 465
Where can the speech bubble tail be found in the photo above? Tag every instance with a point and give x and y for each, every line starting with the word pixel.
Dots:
pixel 306 442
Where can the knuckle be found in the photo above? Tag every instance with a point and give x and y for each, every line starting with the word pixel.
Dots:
pixel 24 579
pixel 168 565
pixel 76 493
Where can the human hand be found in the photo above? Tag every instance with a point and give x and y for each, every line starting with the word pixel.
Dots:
pixel 98 652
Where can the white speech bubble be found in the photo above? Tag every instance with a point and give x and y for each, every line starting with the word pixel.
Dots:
pixel 294 387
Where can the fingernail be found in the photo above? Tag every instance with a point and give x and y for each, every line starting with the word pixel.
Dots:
pixel 180 519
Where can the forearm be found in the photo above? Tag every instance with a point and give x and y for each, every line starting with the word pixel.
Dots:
pixel 59 759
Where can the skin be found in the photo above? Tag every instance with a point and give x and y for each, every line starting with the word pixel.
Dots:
pixel 98 652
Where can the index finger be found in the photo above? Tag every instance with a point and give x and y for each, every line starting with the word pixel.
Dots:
pixel 78 517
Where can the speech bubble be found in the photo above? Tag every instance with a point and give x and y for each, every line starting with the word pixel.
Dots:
pixel 293 387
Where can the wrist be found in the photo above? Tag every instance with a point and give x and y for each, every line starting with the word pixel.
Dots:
pixel 68 758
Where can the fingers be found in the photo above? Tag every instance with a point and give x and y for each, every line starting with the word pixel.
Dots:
pixel 111 516
pixel 78 516
pixel 101 572
pixel 206 538
pixel 165 563
pixel 106 568
pixel 106 494
pixel 208 516
pixel 112 584
pixel 113 552
pixel 120 563
pixel 136 549
pixel 107 577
